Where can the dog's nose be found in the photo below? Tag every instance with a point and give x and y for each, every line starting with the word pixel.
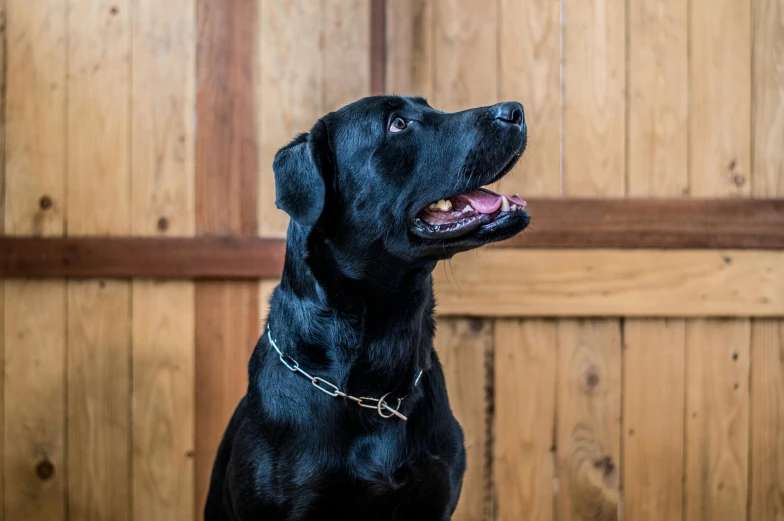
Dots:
pixel 510 113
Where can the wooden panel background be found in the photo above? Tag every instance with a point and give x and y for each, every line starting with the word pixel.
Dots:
pixel 138 117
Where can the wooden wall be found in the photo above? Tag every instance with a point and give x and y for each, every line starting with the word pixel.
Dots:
pixel 592 384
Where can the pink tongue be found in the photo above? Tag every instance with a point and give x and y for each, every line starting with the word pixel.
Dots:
pixel 485 201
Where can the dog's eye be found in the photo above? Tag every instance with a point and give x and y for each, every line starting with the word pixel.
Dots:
pixel 397 125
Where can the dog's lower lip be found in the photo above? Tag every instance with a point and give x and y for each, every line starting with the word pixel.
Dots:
pixel 461 230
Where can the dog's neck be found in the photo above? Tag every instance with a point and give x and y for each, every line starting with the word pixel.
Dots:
pixel 372 337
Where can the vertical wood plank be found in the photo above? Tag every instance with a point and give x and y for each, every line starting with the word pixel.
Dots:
pixel 768 98
pixel 658 98
pixel 227 323
pixel 423 47
pixel 717 419
pixel 718 350
pixel 465 55
pixel 766 485
pixel 767 421
pixel 409 67
pixel 589 419
pixel 35 118
pixel 35 470
pixel 588 406
pixel 720 98
pixel 163 400
pixel 3 91
pixel 463 347
pixel 377 55
pixel 98 179
pixel 290 90
pixel 163 125
pixel 346 52
pixel 529 72
pixel 653 405
pixel 34 340
pixel 654 350
pixel 399 47
pixel 99 480
pixel 524 418
pixel 594 84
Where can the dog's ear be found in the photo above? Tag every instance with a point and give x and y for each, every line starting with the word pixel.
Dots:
pixel 300 188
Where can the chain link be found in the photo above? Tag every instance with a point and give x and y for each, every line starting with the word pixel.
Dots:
pixel 379 404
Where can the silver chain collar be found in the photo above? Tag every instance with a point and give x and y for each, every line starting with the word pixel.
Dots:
pixel 328 388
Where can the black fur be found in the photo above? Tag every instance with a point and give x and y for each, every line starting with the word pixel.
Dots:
pixel 355 307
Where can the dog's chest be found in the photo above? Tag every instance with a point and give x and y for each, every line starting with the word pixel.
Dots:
pixel 371 478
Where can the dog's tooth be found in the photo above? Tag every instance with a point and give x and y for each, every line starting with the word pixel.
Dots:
pixel 442 205
pixel 504 204
pixel 513 208
pixel 468 208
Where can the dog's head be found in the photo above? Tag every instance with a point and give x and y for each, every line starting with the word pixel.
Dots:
pixel 391 176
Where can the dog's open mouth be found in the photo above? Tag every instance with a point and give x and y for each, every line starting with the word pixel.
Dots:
pixel 461 214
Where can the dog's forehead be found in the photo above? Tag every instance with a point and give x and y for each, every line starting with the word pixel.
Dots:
pixel 375 107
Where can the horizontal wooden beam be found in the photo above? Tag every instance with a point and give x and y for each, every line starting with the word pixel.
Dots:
pixel 617 283
pixel 654 223
pixel 245 257
pixel 556 224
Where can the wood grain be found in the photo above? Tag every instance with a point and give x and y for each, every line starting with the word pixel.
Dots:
pixel 34 339
pixel 654 350
pixel 227 327
pixel 233 257
pixel 658 98
pixel 346 52
pixel 766 478
pixel 465 55
pixel 290 92
pixel 588 419
pixel 720 94
pixel 399 41
pixel 99 381
pixel 717 419
pixel 529 72
pixel 594 135
pixel 653 223
pixel 226 313
pixel 767 98
pixel 35 118
pixel 463 346
pixel 766 483
pixel 718 350
pixel 99 202
pixel 653 409
pixel 612 283
pixel 378 46
pixel 524 419
pixel 163 400
pixel 3 63
pixel 35 400
pixel 423 48
pixel 163 356
pixel 226 147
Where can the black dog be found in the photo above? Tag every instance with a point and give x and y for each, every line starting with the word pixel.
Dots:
pixel 373 192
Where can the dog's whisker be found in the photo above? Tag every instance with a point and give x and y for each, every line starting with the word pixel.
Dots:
pixel 453 276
